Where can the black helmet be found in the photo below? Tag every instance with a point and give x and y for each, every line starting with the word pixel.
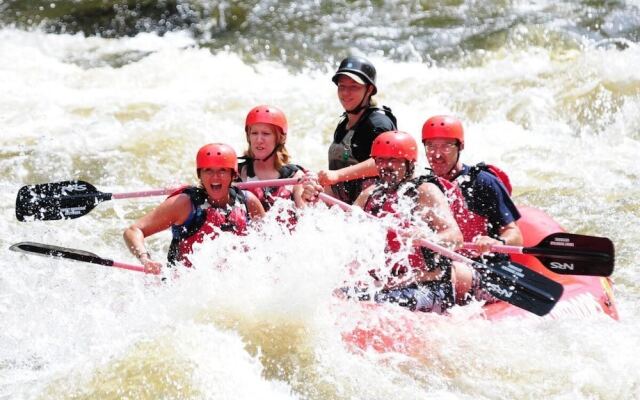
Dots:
pixel 359 69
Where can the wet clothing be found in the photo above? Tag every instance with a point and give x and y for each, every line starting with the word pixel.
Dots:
pixel 206 221
pixel 485 195
pixel 426 297
pixel 480 203
pixel 269 195
pixel 430 296
pixel 353 146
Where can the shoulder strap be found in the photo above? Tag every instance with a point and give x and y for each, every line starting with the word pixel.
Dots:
pixel 248 162
pixel 289 170
pixel 493 170
pixel 429 177
pixel 197 194
pixel 342 124
pixel 373 205
pixel 240 197
pixel 386 110
pixel 390 115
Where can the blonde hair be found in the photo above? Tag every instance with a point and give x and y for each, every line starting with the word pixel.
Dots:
pixel 281 154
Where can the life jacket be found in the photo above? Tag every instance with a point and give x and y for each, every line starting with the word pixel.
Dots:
pixel 206 221
pixel 471 224
pixel 381 203
pixel 269 195
pixel 340 152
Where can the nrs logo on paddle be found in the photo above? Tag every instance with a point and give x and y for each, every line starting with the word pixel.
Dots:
pixel 498 291
pixel 562 266
pixel 78 187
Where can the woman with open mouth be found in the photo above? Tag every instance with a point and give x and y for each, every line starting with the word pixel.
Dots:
pixel 198 212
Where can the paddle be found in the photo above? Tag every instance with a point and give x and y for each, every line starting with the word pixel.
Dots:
pixel 508 281
pixel 46 250
pixel 567 253
pixel 73 199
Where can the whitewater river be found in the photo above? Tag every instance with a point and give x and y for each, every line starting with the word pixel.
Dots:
pixel 548 92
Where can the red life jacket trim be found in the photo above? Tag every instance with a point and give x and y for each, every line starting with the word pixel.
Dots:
pixel 207 222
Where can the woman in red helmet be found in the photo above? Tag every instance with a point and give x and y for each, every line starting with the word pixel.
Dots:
pixel 350 167
pixel 195 213
pixel 479 195
pixel 422 280
pixel 267 157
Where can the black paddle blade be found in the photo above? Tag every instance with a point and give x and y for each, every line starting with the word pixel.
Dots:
pixel 57 200
pixel 520 286
pixel 47 250
pixel 572 254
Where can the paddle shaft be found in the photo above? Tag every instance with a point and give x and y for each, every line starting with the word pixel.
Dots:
pixel 460 258
pixel 130 267
pixel 46 250
pixel 239 185
pixel 567 253
pixel 144 193
pixel 73 199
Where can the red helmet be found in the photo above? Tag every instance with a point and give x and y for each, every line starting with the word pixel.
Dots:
pixel 217 155
pixel 443 127
pixel 266 115
pixel 395 144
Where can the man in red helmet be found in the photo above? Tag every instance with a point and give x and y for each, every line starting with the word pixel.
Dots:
pixel 418 279
pixel 478 195
pixel 196 213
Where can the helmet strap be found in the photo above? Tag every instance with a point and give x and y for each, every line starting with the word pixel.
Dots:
pixel 364 103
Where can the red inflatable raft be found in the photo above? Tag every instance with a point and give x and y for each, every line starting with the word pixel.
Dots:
pixel 391 328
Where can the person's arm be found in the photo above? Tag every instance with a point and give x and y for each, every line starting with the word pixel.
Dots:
pixel 510 235
pixel 256 210
pixel 417 275
pixel 502 213
pixel 173 211
pixel 361 201
pixel 298 190
pixel 436 213
pixel 364 169
pixel 310 189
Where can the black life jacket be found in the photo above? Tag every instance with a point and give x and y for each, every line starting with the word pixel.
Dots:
pixel 269 195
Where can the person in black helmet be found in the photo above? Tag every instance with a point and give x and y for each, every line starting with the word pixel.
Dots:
pixel 350 167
